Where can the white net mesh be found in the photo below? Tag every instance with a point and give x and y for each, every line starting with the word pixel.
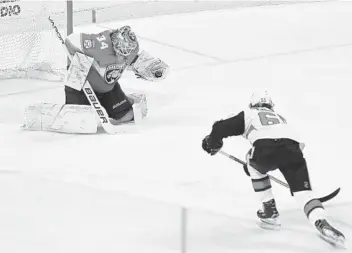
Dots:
pixel 29 47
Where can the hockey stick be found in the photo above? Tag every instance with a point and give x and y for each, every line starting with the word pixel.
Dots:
pixel 243 163
pixel 88 91
pixel 322 199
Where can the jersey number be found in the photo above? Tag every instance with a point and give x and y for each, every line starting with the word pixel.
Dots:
pixel 103 44
pixel 270 118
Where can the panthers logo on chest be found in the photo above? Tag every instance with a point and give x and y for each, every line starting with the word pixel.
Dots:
pixel 113 72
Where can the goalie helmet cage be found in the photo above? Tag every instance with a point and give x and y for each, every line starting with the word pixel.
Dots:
pixel 29 46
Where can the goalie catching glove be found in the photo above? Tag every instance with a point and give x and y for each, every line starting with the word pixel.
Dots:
pixel 149 68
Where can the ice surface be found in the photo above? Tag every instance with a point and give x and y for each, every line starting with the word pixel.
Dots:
pixel 57 194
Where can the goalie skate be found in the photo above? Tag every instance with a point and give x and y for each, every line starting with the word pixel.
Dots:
pixel 329 234
pixel 269 216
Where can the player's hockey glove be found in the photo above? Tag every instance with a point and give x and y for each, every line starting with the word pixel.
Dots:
pixel 211 146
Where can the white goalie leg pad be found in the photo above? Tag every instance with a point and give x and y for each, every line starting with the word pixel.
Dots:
pixel 60 118
pixel 140 107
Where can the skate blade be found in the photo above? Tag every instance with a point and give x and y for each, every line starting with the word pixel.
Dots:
pixel 270 224
pixel 337 243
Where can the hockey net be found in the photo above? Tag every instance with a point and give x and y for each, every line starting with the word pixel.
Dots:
pixel 29 47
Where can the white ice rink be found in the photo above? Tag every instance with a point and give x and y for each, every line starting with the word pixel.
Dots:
pixel 123 194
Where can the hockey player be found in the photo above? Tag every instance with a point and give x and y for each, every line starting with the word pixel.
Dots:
pixel 113 51
pixel 274 146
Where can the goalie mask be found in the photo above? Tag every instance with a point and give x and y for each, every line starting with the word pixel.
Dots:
pixel 124 41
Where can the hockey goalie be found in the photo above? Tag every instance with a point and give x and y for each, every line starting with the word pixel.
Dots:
pixel 99 59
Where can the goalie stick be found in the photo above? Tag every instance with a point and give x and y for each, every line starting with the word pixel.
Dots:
pixel 88 91
pixel 322 199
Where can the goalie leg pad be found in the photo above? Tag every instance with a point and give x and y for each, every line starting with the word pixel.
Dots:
pixel 60 118
pixel 140 107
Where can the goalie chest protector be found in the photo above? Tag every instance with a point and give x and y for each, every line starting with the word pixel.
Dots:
pixel 109 68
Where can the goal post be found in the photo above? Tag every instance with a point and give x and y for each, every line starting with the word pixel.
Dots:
pixel 28 45
pixel 69 15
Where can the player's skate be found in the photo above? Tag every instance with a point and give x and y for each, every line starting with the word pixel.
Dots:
pixel 330 234
pixel 269 216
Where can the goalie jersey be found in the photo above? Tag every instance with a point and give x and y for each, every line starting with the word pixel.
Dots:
pixel 254 124
pixel 109 68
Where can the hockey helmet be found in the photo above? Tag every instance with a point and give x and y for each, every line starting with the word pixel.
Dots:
pixel 124 41
pixel 261 99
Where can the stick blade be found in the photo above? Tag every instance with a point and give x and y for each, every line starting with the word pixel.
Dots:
pixel 330 196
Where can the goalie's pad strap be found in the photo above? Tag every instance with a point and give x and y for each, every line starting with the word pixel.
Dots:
pixel 60 118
